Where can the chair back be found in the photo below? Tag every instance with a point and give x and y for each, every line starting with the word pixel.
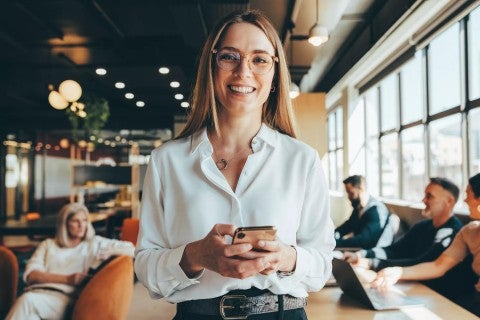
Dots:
pixel 108 294
pixel 389 234
pixel 130 228
pixel 8 280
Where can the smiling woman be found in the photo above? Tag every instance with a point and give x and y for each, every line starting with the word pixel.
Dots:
pixel 239 148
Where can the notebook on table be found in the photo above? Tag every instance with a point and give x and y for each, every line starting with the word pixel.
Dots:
pixel 351 285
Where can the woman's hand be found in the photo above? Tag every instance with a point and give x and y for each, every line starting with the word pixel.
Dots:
pixel 213 253
pixel 75 279
pixel 280 256
pixel 351 257
pixel 387 277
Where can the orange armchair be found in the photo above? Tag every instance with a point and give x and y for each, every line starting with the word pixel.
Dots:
pixel 108 294
pixel 130 228
pixel 8 280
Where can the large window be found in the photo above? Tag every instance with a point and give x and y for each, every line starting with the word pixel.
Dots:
pixel 416 124
pixel 444 70
pixel 404 145
pixel 474 54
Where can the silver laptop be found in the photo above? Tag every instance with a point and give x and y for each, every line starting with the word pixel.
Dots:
pixel 371 297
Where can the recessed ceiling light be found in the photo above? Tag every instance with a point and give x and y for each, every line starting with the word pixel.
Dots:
pixel 174 84
pixel 164 70
pixel 179 96
pixel 119 85
pixel 140 104
pixel 185 104
pixel 129 95
pixel 101 71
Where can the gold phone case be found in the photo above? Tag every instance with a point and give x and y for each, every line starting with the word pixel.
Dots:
pixel 254 234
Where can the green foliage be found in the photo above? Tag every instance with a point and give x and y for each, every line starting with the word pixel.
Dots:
pixel 98 112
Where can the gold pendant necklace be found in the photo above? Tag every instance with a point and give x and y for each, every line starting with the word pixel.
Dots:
pixel 221 164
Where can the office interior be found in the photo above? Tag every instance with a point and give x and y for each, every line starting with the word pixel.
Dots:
pixel 393 94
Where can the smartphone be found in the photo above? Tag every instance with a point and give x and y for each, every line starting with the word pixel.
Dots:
pixel 253 234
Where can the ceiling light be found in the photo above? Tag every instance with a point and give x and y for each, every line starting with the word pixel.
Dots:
pixel 164 70
pixel 57 101
pixel 129 95
pixel 174 84
pixel 318 35
pixel 179 96
pixel 294 90
pixel 68 91
pixel 140 104
pixel 185 104
pixel 119 85
pixel 101 71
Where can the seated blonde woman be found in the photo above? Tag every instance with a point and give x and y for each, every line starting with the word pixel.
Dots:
pixel 466 242
pixel 60 265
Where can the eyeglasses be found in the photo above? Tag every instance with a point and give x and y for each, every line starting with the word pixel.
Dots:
pixel 258 62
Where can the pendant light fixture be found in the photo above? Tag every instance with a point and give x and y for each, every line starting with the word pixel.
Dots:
pixel 318 33
pixel 68 92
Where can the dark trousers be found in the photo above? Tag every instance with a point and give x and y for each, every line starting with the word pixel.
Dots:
pixel 295 314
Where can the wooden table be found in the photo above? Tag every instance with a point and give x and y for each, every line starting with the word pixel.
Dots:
pixel 331 304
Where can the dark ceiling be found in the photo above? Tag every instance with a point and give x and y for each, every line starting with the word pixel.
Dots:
pixel 46 42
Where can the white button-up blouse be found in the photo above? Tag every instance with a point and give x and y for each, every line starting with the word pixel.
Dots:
pixel 185 195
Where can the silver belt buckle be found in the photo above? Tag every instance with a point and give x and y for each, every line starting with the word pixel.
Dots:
pixel 234 307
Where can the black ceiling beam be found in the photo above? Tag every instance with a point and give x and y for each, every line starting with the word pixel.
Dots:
pixel 9 39
pixel 57 33
pixel 108 19
pixel 287 24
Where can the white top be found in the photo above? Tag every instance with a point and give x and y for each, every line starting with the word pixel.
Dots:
pixel 185 195
pixel 49 257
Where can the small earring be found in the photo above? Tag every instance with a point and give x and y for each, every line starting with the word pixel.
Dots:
pixel 272 89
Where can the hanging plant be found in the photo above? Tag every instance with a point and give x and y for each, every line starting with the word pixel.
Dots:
pixel 90 115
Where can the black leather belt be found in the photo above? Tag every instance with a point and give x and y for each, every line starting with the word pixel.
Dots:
pixel 236 305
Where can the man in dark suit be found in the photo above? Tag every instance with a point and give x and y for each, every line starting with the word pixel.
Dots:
pixel 368 218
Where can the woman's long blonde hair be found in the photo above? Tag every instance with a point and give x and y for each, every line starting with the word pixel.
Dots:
pixel 67 211
pixel 277 111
